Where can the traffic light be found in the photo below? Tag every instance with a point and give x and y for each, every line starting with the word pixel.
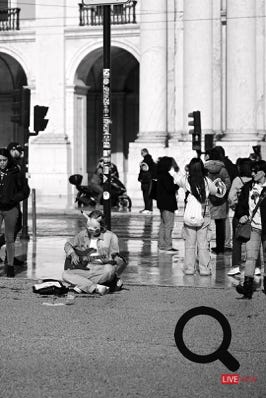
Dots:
pixel 196 132
pixel 40 122
pixel 21 107
pixel 208 142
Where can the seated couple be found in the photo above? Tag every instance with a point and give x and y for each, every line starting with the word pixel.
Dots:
pixel 93 263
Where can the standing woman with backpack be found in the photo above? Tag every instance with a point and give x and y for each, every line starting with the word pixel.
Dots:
pixel 197 221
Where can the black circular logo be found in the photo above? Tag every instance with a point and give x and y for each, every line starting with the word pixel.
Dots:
pixel 222 354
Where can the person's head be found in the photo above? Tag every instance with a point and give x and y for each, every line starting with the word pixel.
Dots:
pixel 244 167
pixel 95 223
pixel 221 151
pixel 196 178
pixel 164 165
pixel 216 154
pixel 15 150
pixel 5 158
pixel 144 152
pixel 260 172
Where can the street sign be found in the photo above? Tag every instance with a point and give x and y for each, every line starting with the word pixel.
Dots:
pixel 104 2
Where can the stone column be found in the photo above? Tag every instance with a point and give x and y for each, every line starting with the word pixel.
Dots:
pixel 153 77
pixel 241 70
pixel 198 61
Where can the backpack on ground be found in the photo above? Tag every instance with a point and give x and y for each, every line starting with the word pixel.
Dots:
pixel 193 216
pixel 50 286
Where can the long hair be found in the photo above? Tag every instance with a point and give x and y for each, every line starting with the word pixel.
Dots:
pixel 196 179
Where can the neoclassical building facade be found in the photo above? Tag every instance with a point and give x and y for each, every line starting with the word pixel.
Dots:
pixel 169 57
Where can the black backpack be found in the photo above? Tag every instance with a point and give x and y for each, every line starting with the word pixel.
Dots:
pixel 50 286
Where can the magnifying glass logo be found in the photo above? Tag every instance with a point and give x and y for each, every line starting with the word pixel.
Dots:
pixel 222 354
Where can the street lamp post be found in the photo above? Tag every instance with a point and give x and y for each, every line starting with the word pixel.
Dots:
pixel 106 101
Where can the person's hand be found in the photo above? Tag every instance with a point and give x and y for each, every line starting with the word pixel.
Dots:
pixel 243 219
pixel 171 171
pixel 74 258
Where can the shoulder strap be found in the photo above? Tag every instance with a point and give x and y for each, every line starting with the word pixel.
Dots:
pixel 242 180
pixel 262 197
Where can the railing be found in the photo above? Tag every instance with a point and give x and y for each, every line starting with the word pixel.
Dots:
pixel 9 19
pixel 121 14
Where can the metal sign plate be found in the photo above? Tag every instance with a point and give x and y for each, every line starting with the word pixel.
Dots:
pixel 103 2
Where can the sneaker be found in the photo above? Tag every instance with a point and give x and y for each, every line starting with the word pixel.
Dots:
pixel 189 271
pixel 172 250
pixel 234 271
pixel 147 212
pixel 70 298
pixel 102 290
pixel 141 211
pixel 257 271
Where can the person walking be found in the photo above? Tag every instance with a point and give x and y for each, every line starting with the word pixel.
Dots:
pixel 166 203
pixel 252 206
pixel 198 187
pixel 16 153
pixel 13 189
pixel 145 177
pixel 244 168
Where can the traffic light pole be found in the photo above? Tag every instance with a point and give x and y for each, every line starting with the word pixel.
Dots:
pixel 107 115
pixel 24 233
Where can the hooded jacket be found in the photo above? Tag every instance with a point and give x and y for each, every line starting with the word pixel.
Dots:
pixel 13 188
pixel 147 170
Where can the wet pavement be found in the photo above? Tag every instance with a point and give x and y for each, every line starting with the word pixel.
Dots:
pixel 138 236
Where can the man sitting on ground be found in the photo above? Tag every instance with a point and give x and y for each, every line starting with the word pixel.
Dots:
pixel 93 263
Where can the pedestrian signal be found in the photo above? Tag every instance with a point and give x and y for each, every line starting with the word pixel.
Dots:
pixel 196 131
pixel 40 122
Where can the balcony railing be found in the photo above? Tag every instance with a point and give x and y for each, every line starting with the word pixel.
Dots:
pixel 121 14
pixel 9 19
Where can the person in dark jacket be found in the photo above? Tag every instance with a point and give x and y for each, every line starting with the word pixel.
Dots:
pixel 13 189
pixel 166 203
pixel 146 175
pixel 218 207
pixel 251 193
pixel 16 151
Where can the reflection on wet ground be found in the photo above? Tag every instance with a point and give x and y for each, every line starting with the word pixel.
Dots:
pixel 138 242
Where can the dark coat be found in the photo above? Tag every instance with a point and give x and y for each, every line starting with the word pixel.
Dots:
pixel 166 192
pixel 145 177
pixel 13 188
pixel 242 208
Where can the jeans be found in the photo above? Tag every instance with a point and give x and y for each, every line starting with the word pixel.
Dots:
pixel 253 250
pixel 10 218
pixel 197 240
pixel 146 190
pixel 86 280
pixel 166 229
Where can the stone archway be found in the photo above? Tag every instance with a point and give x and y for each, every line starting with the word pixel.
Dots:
pixel 125 105
pixel 12 76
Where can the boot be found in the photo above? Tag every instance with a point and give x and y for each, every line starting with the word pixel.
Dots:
pixel 247 288
pixel 264 284
pixel 10 272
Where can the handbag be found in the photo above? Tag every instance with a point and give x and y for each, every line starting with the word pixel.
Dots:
pixel 243 231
